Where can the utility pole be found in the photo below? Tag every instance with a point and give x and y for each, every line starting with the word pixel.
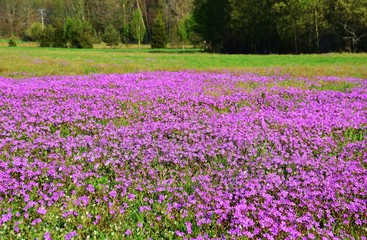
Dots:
pixel 42 12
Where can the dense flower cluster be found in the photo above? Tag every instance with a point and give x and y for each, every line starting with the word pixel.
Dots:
pixel 185 154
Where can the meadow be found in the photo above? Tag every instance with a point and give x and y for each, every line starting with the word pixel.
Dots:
pixel 25 61
pixel 182 145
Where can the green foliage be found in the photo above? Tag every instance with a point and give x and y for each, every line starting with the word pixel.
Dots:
pixel 302 24
pixel 212 18
pixel 186 32
pixel 124 33
pixel 183 31
pixel 159 37
pixel 47 37
pixel 285 26
pixel 34 32
pixel 252 28
pixel 111 36
pixel 352 18
pixel 137 26
pixel 79 34
pixel 53 36
pixel 228 26
pixel 12 43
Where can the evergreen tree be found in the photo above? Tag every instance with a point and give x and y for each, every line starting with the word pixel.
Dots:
pixel 111 36
pixel 53 36
pixel 79 34
pixel 159 37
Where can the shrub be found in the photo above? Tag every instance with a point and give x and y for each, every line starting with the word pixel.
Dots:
pixel 47 37
pixel 79 34
pixel 111 36
pixel 12 43
pixel 53 36
pixel 125 33
pixel 34 32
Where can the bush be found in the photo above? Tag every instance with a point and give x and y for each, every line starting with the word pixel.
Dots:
pixel 111 36
pixel 47 36
pixel 12 43
pixel 34 32
pixel 53 36
pixel 79 34
pixel 74 33
pixel 125 34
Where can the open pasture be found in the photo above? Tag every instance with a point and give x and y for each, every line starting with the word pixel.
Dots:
pixel 21 62
pixel 181 154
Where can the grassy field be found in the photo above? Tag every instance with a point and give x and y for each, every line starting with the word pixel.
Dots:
pixel 26 61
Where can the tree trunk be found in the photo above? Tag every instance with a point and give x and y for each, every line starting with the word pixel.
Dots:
pixel 317 31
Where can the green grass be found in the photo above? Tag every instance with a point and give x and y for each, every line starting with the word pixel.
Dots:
pixel 27 61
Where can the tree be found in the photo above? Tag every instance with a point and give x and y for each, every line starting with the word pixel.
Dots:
pixel 34 32
pixel 79 34
pixel 74 9
pixel 53 36
pixel 303 25
pixel 352 19
pixel 125 28
pixel 236 26
pixel 101 13
pixel 227 26
pixel 253 28
pixel 55 12
pixel 290 24
pixel 173 11
pixel 27 15
pixel 278 26
pixel 9 12
pixel 138 26
pixel 317 9
pixel 213 22
pixel 159 37
pixel 183 31
pixel 111 36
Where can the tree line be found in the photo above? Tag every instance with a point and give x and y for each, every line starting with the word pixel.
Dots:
pixel 282 26
pixel 80 23
pixel 226 26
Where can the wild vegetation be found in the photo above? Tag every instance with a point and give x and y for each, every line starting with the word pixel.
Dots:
pixel 134 20
pixel 286 26
pixel 183 155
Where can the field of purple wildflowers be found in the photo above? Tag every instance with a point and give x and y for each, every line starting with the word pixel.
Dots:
pixel 170 155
